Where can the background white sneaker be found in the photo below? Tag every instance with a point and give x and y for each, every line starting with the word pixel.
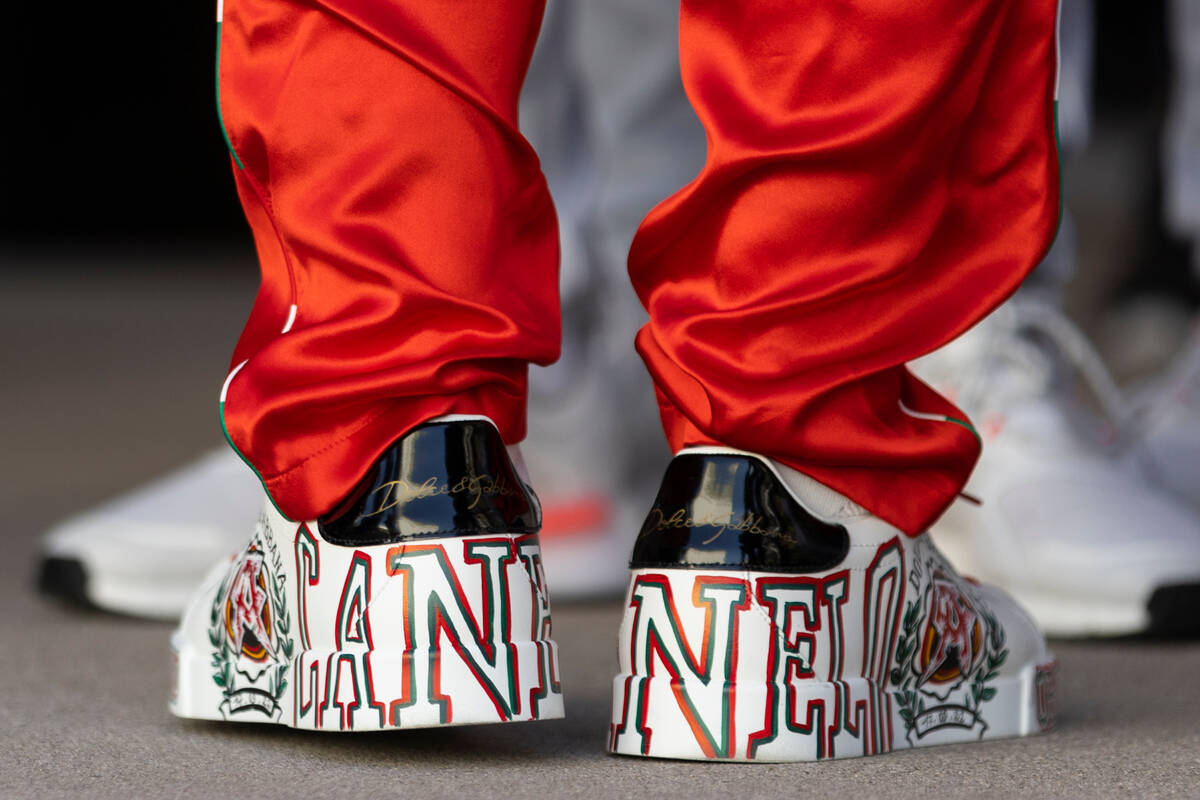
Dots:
pixel 144 552
pixel 1167 426
pixel 1067 525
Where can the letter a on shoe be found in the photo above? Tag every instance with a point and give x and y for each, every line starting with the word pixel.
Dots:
pixel 421 601
pixel 769 618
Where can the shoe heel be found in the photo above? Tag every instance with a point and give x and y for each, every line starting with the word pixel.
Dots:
pixel 704 675
pixel 742 665
pixel 429 632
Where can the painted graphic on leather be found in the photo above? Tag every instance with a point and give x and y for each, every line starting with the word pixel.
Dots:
pixel 948 653
pixel 467 633
pixel 250 631
pixel 897 650
pixel 753 640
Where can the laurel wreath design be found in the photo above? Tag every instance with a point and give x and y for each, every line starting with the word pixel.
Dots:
pixel 283 619
pixel 223 676
pixel 908 699
pixel 223 658
pixel 996 656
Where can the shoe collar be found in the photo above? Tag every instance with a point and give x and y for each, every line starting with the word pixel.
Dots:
pixel 823 502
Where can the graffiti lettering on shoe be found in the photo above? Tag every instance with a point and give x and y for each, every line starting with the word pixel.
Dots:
pixel 415 634
pixel 804 667
pixel 758 636
pixel 454 610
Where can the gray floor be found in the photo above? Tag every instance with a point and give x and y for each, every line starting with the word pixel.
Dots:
pixel 111 375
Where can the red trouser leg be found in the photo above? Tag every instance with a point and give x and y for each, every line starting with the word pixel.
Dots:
pixel 396 207
pixel 880 175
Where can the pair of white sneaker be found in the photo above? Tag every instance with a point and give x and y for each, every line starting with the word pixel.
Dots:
pixel 767 617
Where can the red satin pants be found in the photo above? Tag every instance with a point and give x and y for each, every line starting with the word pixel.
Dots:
pixel 880 175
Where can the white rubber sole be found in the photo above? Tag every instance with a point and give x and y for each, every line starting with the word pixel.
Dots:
pixel 432 632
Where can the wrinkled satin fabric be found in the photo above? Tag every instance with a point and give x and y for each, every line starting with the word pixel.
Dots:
pixel 879 177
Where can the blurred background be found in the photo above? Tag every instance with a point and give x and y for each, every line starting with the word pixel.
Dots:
pixel 111 138
pixel 126 268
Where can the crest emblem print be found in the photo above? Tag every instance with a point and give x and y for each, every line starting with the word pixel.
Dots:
pixel 952 643
pixel 949 651
pixel 249 629
pixel 247 609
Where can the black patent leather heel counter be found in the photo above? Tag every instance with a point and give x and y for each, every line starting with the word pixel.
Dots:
pixel 728 511
pixel 440 479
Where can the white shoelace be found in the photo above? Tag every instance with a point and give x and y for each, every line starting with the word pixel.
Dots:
pixel 997 367
pixel 1079 352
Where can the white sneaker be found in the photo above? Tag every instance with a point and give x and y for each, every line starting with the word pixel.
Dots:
pixel 1066 525
pixel 144 552
pixel 771 619
pixel 420 602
